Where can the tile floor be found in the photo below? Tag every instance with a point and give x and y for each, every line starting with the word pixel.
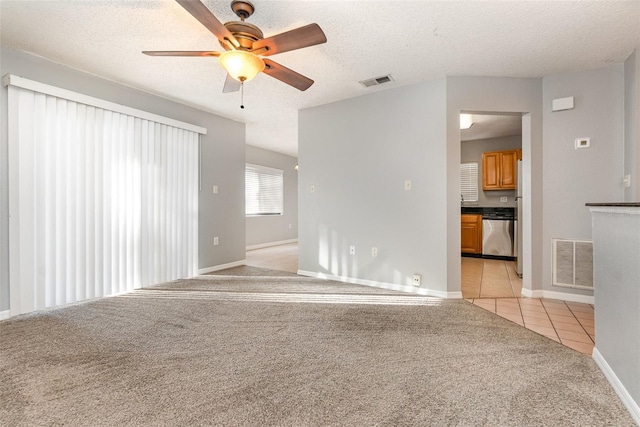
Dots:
pixel 487 278
pixel 494 286
pixel 569 323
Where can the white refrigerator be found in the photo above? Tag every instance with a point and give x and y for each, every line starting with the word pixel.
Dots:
pixel 518 222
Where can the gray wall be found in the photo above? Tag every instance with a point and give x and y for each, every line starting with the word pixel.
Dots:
pixel 632 125
pixel 358 154
pixel 263 230
pixel 223 157
pixel 471 151
pixel 575 177
pixel 345 151
pixel 497 95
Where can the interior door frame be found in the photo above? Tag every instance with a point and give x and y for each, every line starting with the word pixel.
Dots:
pixel 526 194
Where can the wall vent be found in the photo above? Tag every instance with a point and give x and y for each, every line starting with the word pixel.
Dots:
pixel 377 81
pixel 572 263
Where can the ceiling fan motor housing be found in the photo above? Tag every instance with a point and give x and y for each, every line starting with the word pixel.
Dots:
pixel 245 33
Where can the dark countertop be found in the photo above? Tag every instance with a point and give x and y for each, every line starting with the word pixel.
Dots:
pixel 615 205
pixel 485 209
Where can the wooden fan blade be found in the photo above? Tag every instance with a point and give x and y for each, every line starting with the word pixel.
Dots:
pixel 199 11
pixel 286 75
pixel 309 35
pixel 181 53
pixel 231 85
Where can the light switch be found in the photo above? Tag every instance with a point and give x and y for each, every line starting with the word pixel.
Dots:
pixel 407 185
pixel 215 189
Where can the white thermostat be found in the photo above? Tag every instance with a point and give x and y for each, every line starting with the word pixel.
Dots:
pixel 583 143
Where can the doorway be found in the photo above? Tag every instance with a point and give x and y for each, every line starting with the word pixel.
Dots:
pixel 490 146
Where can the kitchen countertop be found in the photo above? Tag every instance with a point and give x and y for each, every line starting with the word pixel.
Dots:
pixel 615 205
pixel 485 209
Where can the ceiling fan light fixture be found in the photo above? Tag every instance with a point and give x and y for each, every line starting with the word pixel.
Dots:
pixel 466 121
pixel 241 65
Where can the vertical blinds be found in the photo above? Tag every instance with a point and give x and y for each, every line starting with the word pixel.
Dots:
pixel 101 202
pixel 469 181
pixel 264 190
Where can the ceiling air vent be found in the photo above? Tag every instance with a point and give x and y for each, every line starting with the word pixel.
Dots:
pixel 377 81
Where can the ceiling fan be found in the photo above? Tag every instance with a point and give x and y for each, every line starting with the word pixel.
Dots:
pixel 246 48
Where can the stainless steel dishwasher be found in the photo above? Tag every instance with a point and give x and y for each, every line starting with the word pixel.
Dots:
pixel 497 233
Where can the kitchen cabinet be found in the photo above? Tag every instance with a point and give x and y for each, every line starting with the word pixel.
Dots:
pixel 471 233
pixel 499 169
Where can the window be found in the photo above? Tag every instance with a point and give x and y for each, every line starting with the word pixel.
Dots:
pixel 469 181
pixel 264 190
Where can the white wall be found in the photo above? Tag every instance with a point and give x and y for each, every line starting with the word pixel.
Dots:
pixel 263 230
pixel 358 154
pixel 223 157
pixel 573 177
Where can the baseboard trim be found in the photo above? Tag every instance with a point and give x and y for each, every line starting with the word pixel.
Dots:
pixel 221 267
pixel 585 299
pixel 382 285
pixel 269 244
pixel 5 314
pixel 617 385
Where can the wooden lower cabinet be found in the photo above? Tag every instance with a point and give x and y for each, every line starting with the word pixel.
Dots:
pixel 471 233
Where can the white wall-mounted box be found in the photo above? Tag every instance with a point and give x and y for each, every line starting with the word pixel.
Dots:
pixel 560 104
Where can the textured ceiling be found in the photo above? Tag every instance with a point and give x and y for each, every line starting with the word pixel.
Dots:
pixel 492 126
pixel 412 40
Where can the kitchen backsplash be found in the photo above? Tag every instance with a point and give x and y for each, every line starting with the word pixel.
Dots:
pixel 492 199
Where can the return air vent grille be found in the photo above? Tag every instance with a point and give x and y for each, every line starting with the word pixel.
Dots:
pixel 572 263
pixel 377 81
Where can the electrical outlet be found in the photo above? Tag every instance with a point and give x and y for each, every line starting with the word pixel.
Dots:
pixel 216 241
pixel 416 280
pixel 374 251
pixel 582 143
pixel 352 250
pixel 627 181
pixel 503 199
pixel 215 189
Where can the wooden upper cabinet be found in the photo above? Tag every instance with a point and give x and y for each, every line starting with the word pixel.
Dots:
pixel 499 169
pixel 491 170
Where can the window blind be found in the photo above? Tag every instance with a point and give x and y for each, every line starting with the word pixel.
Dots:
pixel 469 181
pixel 264 190
pixel 101 202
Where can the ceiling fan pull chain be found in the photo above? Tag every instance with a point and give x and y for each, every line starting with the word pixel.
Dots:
pixel 242 95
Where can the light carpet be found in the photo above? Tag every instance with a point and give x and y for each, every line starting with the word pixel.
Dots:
pixel 289 351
